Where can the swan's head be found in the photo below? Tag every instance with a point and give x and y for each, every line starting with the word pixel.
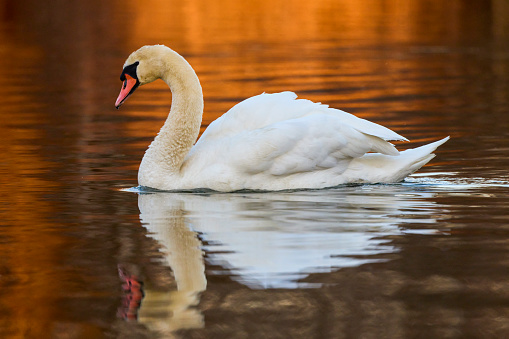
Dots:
pixel 141 67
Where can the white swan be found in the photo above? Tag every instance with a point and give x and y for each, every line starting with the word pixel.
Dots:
pixel 267 142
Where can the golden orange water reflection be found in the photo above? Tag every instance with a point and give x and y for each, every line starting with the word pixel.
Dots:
pixel 34 244
pixel 349 54
pixel 322 50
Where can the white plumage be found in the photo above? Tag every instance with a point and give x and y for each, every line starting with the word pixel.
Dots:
pixel 267 142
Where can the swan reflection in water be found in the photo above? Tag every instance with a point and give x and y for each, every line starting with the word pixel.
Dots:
pixel 167 224
pixel 269 240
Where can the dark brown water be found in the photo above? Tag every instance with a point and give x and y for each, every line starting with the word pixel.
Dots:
pixel 427 258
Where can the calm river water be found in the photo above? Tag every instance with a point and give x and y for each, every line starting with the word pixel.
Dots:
pixel 83 255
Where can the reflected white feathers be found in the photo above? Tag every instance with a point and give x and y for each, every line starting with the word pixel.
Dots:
pixel 272 240
pixel 267 142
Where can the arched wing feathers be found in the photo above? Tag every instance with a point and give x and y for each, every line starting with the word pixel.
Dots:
pixel 276 134
pixel 266 109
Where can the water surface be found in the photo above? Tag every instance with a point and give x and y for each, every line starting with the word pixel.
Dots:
pixel 424 258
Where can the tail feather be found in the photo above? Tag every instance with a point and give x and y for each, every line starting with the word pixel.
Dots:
pixel 426 149
pixel 385 168
pixel 415 158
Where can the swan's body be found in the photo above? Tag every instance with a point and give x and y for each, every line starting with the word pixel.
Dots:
pixel 267 142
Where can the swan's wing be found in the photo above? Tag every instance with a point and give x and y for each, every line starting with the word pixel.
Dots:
pixel 267 109
pixel 279 135
pixel 306 144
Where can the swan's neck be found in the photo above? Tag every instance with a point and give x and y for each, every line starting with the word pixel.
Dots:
pixel 167 152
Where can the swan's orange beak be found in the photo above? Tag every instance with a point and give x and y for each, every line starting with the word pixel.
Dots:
pixel 128 87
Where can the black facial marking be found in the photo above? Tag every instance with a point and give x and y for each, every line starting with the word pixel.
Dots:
pixel 131 70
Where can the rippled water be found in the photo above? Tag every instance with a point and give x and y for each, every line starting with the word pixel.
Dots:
pixel 84 254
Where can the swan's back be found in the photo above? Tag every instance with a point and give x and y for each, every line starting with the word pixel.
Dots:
pixel 265 109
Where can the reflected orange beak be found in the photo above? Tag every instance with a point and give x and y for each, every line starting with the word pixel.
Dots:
pixel 129 86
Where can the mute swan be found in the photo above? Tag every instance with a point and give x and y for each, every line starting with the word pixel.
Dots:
pixel 267 142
